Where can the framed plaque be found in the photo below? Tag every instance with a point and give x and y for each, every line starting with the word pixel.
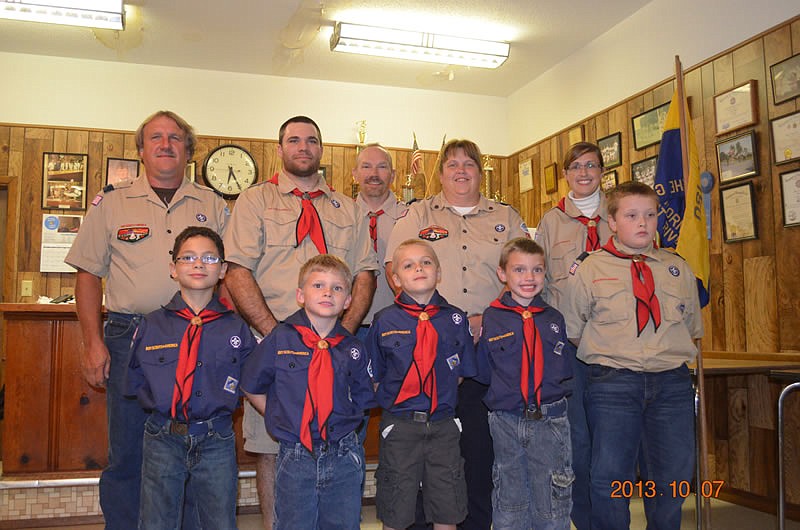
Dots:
pixel 551 178
pixel 785 79
pixel 790 193
pixel 611 149
pixel 64 181
pixel 736 108
pixel 786 138
pixel 738 212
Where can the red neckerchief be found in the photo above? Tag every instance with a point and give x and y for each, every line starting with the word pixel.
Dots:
pixel 421 377
pixel 319 394
pixel 531 349
pixel 308 223
pixel 592 237
pixel 644 288
pixel 187 357
pixel 373 227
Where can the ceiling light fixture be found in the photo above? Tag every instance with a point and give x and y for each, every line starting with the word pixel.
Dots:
pixel 417 46
pixel 105 14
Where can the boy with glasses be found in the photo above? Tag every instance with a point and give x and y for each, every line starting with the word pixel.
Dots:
pixel 185 368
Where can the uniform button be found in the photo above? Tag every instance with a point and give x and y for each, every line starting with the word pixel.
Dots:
pixel 234 360
pixel 464 247
pixel 465 290
pixel 464 230
pixel 169 231
pixel 495 240
pixel 291 365
pixel 199 363
pixel 198 393
pixel 161 359
pixel 491 207
pixel 463 268
pixel 170 253
pixel 436 207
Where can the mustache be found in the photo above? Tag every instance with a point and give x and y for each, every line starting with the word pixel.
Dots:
pixel 373 180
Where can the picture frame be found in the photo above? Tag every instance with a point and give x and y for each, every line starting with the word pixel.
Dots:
pixel 736 108
pixel 785 132
pixel 525 176
pixel 737 157
pixel 190 171
pixel 64 181
pixel 119 169
pixel 608 181
pixel 648 126
pixel 785 77
pixel 611 150
pixel 738 209
pixel 575 135
pixel 323 170
pixel 645 171
pixel 551 178
pixel 790 197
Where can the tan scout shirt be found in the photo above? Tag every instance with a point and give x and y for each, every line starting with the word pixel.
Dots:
pixel 127 237
pixel 563 239
pixel 392 210
pixel 261 237
pixel 470 252
pixel 600 309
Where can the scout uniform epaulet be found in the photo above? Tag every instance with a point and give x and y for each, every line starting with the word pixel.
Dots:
pixel 108 187
pixel 578 261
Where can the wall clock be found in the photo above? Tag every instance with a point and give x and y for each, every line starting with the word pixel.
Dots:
pixel 229 170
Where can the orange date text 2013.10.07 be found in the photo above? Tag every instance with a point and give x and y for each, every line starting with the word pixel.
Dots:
pixel 625 489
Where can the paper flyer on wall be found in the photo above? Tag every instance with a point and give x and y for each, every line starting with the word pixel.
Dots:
pixel 58 233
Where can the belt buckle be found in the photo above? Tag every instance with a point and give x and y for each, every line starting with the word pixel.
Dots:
pixel 533 414
pixel 420 417
pixel 179 428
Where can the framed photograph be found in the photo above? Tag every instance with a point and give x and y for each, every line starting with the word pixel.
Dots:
pixel 648 126
pixel 790 192
pixel 737 158
pixel 608 181
pixel 551 178
pixel 119 169
pixel 736 108
pixel 575 135
pixel 785 79
pixel 190 171
pixel 786 138
pixel 525 176
pixel 611 149
pixel 326 174
pixel 645 171
pixel 738 212
pixel 64 181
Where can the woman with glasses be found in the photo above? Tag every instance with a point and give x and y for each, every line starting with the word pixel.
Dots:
pixel 576 225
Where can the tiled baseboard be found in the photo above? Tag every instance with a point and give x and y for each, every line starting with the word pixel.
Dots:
pixel 69 502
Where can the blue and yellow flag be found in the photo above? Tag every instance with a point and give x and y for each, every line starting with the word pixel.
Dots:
pixel 682 221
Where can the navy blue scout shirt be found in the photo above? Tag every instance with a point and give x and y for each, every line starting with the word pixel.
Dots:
pixel 224 345
pixel 278 368
pixel 500 355
pixel 391 340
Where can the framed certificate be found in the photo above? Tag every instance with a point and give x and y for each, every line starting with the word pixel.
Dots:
pixel 525 176
pixel 550 178
pixel 785 79
pixel 786 138
pixel 738 212
pixel 736 108
pixel 790 193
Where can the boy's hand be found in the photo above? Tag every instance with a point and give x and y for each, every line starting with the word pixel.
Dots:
pixel 475 326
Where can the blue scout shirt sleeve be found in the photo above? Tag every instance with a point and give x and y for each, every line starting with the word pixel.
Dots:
pixel 469 366
pixel 359 377
pixel 258 372
pixel 484 375
pixel 377 362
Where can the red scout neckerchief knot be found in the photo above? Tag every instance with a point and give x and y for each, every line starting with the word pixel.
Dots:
pixel 531 350
pixel 421 377
pixel 373 228
pixel 319 394
pixel 644 288
pixel 592 237
pixel 308 223
pixel 187 357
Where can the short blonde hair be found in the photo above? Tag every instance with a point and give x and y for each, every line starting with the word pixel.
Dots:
pixel 410 242
pixel 627 189
pixel 325 263
pixel 469 147
pixel 190 140
pixel 522 245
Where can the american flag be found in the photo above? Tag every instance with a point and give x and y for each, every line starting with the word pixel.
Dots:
pixel 416 157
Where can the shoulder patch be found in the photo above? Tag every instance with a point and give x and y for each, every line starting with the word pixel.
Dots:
pixel 577 262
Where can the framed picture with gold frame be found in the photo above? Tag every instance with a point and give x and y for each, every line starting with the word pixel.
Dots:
pixel 64 181
pixel 551 178
pixel 736 108
pixel 575 135
pixel 119 169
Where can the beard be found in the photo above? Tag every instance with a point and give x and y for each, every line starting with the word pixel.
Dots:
pixel 301 169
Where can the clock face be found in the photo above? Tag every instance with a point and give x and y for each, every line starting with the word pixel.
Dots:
pixel 229 170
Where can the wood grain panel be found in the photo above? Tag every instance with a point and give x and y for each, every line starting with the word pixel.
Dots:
pixel 760 304
pixel 738 440
pixel 764 465
pixel 733 301
pixel 761 405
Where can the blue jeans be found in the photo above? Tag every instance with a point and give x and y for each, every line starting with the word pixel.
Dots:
pixel 628 410
pixel 532 474
pixel 204 458
pixel 320 490
pixel 581 447
pixel 120 480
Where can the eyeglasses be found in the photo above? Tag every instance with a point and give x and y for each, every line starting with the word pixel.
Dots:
pixel 588 166
pixel 207 259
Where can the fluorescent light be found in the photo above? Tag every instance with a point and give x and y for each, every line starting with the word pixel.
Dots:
pixel 105 14
pixel 417 46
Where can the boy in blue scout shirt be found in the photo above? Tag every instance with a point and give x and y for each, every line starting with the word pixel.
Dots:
pixel 634 312
pixel 312 377
pixel 421 350
pixel 185 369
pixel 524 356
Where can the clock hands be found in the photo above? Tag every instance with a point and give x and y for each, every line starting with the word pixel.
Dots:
pixel 232 174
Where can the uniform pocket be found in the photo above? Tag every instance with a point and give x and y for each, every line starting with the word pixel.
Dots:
pixel 613 302
pixel 280 229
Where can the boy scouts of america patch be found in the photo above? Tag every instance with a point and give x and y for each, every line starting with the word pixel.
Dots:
pixel 499 228
pixel 335 203
pixel 201 218
pixel 457 318
pixel 453 361
pixel 133 233
pixel 231 384
pixel 355 354
pixel 433 233
pixel 674 271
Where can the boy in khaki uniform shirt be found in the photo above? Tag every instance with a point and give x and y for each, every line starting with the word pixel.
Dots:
pixel 634 312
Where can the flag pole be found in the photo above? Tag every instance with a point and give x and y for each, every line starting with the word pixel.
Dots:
pixel 704 517
pixel 435 166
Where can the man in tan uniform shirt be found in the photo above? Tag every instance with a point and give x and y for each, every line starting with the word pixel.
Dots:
pixel 468 232
pixel 127 238
pixel 264 259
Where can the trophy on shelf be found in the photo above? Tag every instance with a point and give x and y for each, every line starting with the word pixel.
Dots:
pixel 362 137
pixel 408 189
pixel 488 176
